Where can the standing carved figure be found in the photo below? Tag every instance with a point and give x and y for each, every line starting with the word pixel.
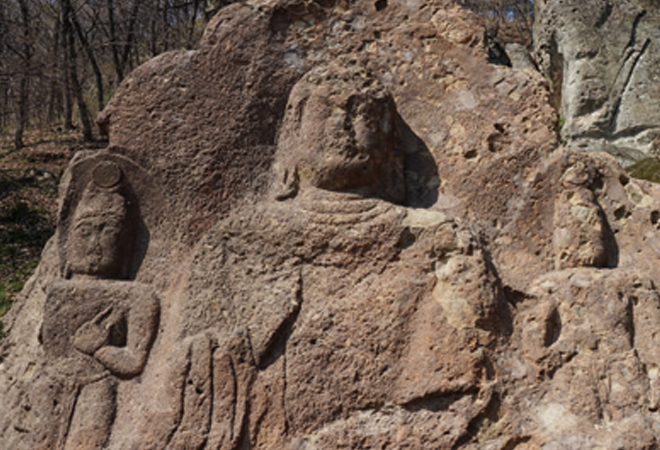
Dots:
pixel 582 236
pixel 98 326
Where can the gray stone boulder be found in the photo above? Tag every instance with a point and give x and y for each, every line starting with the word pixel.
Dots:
pixel 603 59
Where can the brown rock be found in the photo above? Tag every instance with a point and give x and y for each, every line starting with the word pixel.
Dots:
pixel 395 309
pixel 335 227
pixel 580 337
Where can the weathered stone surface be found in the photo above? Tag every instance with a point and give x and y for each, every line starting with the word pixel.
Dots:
pixel 519 56
pixel 385 341
pixel 588 340
pixel 339 227
pixel 603 59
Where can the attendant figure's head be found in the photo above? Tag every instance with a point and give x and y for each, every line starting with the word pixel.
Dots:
pixel 100 240
pixel 339 134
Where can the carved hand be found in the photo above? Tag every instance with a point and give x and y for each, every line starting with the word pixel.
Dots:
pixel 129 360
pixel 94 334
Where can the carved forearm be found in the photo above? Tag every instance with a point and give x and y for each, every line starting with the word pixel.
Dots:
pixel 89 338
pixel 142 326
pixel 121 361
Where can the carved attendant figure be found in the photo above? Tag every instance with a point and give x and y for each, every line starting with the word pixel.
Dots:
pixel 582 237
pixel 97 328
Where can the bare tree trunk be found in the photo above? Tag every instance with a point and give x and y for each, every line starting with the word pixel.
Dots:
pixel 3 68
pixel 67 28
pixel 121 50
pixel 114 41
pixel 66 71
pixel 130 35
pixel 22 116
pixel 92 59
pixel 5 107
pixel 55 94
pixel 193 21
pixel 165 27
pixel 154 45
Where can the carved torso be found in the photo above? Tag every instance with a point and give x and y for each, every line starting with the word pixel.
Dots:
pixel 336 295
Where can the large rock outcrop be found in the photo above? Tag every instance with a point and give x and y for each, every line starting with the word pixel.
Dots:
pixel 339 227
pixel 602 57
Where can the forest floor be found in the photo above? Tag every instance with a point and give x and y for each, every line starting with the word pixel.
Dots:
pixel 29 180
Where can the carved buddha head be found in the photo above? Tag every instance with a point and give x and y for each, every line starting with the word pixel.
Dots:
pixel 100 239
pixel 339 134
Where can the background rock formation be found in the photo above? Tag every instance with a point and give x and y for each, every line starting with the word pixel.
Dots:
pixel 602 57
pixel 451 310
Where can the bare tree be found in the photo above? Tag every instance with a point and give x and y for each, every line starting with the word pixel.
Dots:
pixel 54 91
pixel 26 56
pixel 71 66
pixel 61 59
pixel 82 36
pixel 4 75
pixel 509 20
pixel 121 45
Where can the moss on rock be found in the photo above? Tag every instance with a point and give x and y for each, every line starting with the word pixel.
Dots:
pixel 646 169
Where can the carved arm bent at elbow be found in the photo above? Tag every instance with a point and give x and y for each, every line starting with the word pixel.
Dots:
pixel 142 324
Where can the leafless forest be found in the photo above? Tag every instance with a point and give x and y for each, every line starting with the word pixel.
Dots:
pixel 506 20
pixel 61 60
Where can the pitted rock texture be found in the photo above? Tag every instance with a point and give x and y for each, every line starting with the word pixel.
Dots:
pixel 588 340
pixel 338 226
pixel 602 57
pixel 416 349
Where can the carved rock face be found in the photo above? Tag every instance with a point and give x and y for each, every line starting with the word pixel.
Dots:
pixel 95 247
pixel 100 239
pixel 95 330
pixel 321 357
pixel 301 355
pixel 354 147
pixel 586 337
pixel 582 237
pixel 333 318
